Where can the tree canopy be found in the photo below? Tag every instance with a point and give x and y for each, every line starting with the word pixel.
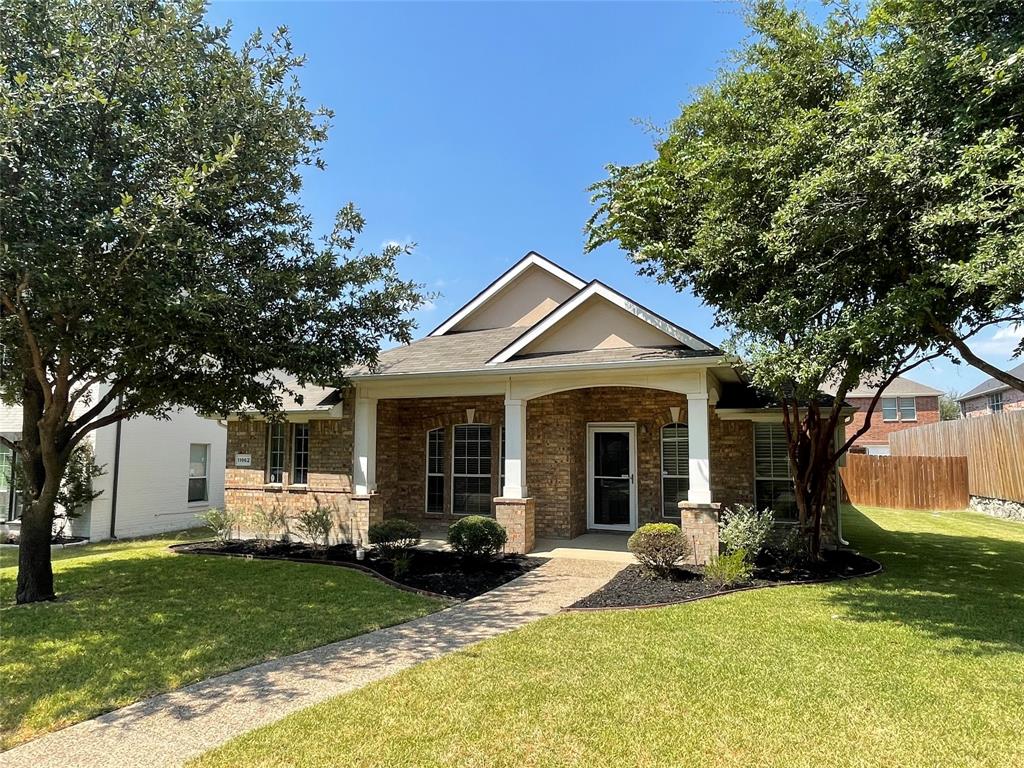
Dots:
pixel 152 237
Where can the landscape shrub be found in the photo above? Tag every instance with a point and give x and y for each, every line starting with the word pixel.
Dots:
pixel 728 570
pixel 393 538
pixel 658 547
pixel 477 536
pixel 220 522
pixel 745 528
pixel 791 550
pixel 265 521
pixel 316 524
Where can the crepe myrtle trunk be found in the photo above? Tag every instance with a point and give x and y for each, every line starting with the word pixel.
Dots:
pixel 812 457
pixel 43 464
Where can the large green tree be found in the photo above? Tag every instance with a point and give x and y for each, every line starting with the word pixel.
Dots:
pixel 784 199
pixel 154 250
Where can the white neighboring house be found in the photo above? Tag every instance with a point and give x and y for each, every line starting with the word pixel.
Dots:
pixel 159 474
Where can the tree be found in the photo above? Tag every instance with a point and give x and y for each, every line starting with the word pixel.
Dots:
pixel 949 407
pixel 154 250
pixel 720 211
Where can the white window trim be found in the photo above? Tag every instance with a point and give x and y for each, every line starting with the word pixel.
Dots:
pixel 661 451
pixel 284 454
pixel 428 474
pixel 205 476
pixel 489 476
pixel 294 452
pixel 789 472
pixel 899 410
pixel 993 399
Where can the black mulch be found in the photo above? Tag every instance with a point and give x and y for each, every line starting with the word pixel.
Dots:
pixel 443 573
pixel 632 587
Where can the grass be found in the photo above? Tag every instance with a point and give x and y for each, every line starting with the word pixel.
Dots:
pixel 134 619
pixel 922 665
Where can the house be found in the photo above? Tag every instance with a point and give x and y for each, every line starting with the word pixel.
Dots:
pixel 557 405
pixel 992 396
pixel 905 403
pixel 159 474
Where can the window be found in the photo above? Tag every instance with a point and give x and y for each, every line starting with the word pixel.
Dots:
pixel 275 453
pixel 300 454
pixel 675 468
pixel 7 507
pixel 773 484
pixel 471 470
pixel 995 402
pixel 899 409
pixel 435 471
pixel 198 454
pixel 501 465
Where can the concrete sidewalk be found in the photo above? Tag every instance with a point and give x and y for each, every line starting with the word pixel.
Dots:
pixel 171 728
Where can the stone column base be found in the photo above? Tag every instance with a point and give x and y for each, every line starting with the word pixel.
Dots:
pixel 365 510
pixel 517 517
pixel 699 522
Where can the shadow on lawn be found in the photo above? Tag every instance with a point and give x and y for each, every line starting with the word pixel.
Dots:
pixel 966 589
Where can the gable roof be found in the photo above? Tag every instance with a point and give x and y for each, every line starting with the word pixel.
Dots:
pixel 597 289
pixel 992 385
pixel 531 260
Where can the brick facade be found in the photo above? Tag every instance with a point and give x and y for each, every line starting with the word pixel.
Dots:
pixel 1013 400
pixel 878 433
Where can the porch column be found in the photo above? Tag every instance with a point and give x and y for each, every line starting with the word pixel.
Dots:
pixel 700 448
pixel 364 448
pixel 515 450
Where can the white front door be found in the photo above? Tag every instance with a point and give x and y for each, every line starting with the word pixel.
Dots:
pixel 611 476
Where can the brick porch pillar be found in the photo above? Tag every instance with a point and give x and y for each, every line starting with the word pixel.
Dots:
pixel 517 517
pixel 699 522
pixel 365 510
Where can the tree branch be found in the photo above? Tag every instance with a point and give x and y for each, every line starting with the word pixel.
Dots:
pixel 965 352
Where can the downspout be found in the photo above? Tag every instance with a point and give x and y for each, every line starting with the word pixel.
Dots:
pixel 839 439
pixel 117 468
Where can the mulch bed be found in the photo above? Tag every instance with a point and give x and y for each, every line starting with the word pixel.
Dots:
pixel 632 588
pixel 443 574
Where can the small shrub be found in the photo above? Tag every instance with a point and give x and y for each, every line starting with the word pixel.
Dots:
pixel 791 549
pixel 477 536
pixel 658 547
pixel 265 521
pixel 728 570
pixel 744 528
pixel 317 523
pixel 220 522
pixel 393 538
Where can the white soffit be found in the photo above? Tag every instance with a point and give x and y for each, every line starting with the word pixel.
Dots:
pixel 532 259
pixel 596 288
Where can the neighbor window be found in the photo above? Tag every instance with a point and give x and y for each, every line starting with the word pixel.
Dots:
pixel 675 467
pixel 471 470
pixel 198 456
pixel 773 483
pixel 435 471
pixel 300 454
pixel 275 453
pixel 899 409
pixel 995 402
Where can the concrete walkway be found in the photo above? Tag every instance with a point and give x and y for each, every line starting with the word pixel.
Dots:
pixel 169 729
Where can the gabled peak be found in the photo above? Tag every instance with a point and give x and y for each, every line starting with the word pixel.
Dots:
pixel 525 293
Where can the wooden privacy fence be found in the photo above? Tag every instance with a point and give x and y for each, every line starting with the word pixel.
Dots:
pixel 993 445
pixel 909 482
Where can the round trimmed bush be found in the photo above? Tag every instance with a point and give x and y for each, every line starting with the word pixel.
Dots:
pixel 658 547
pixel 477 536
pixel 393 537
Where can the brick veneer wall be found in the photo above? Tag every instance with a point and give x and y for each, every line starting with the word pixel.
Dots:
pixel 878 433
pixel 1013 400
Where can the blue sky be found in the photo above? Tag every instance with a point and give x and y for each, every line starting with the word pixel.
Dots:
pixel 474 129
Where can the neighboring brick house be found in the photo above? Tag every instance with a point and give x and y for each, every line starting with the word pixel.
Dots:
pixel 993 396
pixel 904 404
pixel 557 405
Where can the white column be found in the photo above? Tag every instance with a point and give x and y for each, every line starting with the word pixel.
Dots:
pixel 364 448
pixel 515 450
pixel 700 448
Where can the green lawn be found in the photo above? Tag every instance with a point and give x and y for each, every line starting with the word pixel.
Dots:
pixel 920 666
pixel 134 619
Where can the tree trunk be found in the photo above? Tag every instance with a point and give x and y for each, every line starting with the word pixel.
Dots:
pixel 35 572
